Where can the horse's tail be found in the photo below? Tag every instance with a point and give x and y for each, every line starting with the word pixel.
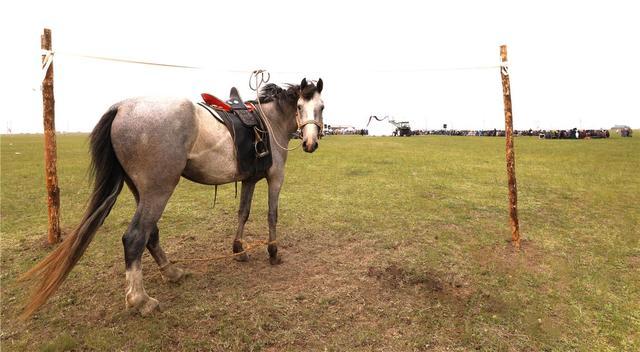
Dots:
pixel 108 180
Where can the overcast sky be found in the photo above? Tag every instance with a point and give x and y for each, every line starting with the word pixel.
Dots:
pixel 573 64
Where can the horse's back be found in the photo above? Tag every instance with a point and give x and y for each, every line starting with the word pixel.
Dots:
pixel 170 120
pixel 157 138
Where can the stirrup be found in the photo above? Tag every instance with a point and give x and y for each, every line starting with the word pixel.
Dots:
pixel 263 153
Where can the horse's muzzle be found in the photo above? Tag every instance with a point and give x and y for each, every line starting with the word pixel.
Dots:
pixel 310 147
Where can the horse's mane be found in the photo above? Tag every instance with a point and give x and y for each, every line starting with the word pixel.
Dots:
pixel 287 96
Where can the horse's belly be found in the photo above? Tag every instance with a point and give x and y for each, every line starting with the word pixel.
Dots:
pixel 212 159
pixel 211 168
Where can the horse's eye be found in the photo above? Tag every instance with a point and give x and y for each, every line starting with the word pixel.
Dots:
pixel 322 108
pixel 300 107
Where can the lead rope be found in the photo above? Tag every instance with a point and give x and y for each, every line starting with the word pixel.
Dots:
pixel 247 247
pixel 258 77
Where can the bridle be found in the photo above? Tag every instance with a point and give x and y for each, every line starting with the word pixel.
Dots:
pixel 313 121
pixel 256 80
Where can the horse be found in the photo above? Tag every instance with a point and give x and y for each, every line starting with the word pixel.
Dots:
pixel 149 144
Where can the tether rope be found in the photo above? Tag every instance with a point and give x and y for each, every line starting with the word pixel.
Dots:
pixel 247 247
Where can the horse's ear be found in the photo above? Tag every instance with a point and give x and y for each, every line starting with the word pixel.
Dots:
pixel 319 85
pixel 303 84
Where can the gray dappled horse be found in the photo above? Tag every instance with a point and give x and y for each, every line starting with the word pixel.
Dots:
pixel 149 144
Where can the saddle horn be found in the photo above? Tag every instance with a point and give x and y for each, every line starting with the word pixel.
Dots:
pixel 234 94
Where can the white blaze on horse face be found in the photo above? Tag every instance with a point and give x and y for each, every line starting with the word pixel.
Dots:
pixel 311 110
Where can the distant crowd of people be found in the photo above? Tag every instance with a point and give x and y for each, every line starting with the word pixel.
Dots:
pixel 484 133
pixel 340 132
pixel 626 132
pixel 573 133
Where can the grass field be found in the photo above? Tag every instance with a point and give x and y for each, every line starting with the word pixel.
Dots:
pixel 403 248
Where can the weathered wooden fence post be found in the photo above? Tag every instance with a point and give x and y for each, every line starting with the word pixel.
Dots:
pixel 50 157
pixel 511 162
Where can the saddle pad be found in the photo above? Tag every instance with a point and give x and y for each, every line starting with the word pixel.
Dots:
pixel 244 138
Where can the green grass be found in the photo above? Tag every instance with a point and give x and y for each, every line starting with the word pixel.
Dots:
pixel 391 244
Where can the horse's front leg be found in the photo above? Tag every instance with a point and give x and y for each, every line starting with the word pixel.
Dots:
pixel 275 183
pixel 246 194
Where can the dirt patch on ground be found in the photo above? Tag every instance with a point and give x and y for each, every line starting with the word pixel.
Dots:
pixel 323 291
pixel 395 276
pixel 634 261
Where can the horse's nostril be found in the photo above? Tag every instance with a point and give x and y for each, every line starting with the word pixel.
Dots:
pixel 304 144
pixel 315 145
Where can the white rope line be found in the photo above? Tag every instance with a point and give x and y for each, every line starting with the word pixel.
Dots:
pixel 461 68
pixel 125 60
pixel 152 63
pixel 48 59
pixel 131 61
pixel 414 70
pixel 505 69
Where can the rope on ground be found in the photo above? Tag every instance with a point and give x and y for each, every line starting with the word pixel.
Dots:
pixel 247 247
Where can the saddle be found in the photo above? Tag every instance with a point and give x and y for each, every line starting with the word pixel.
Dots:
pixel 248 131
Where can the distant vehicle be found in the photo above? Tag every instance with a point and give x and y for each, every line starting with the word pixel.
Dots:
pixel 402 127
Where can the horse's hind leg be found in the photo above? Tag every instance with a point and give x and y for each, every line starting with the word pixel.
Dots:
pixel 135 240
pixel 169 271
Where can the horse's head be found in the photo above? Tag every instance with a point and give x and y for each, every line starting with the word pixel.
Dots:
pixel 309 114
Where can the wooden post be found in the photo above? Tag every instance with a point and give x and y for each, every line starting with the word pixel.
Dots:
pixel 50 158
pixel 511 161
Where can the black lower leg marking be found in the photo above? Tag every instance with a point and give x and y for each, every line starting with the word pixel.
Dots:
pixel 273 250
pixel 237 246
pixel 134 242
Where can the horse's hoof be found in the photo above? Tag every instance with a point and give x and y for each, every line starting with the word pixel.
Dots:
pixel 275 260
pixel 142 303
pixel 150 306
pixel 172 273
pixel 244 257
pixel 237 249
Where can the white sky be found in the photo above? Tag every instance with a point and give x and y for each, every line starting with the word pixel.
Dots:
pixel 573 64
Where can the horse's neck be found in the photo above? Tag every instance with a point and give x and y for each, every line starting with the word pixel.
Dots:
pixel 283 123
